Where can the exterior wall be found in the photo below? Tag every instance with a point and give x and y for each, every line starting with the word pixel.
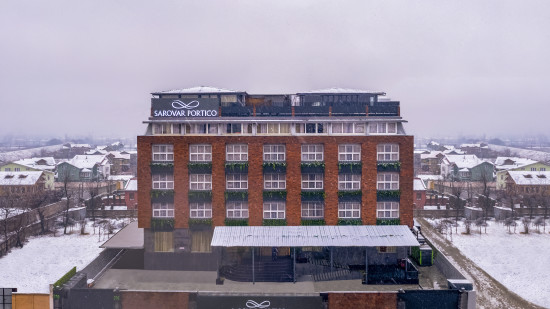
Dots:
pixel 482 170
pixel 48 176
pixel 378 300
pixel 66 169
pixel 501 175
pixel 419 202
pixel 293 171
pixel 31 301
pixel 131 201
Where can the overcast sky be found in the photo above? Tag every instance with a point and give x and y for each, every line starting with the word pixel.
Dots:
pixel 88 67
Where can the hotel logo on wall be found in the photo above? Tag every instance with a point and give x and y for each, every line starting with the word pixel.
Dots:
pixel 184 107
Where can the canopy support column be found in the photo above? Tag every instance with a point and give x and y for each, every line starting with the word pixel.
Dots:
pixel 253 274
pixel 294 265
pixel 366 265
pixel 331 260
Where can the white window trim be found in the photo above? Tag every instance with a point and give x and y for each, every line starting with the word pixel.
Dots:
pixel 237 207
pixel 307 181
pixel 280 181
pixel 269 153
pixel 303 127
pixel 346 210
pixel 196 155
pixel 383 183
pixel 344 153
pixel 237 155
pixel 381 128
pixel 384 154
pixel 203 182
pixel 200 210
pixel 278 211
pixel 387 210
pixel 159 208
pixel 349 182
pixel 313 209
pixel 236 181
pixel 163 181
pixel 166 155
pixel 312 150
pixel 263 128
pixel 357 128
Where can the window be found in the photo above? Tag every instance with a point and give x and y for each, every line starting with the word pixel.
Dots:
pixel 200 240
pixel 200 181
pixel 7 169
pixel 348 128
pixel 387 152
pixel 200 153
pixel 274 153
pixel 274 181
pixel 200 210
pixel 349 210
pixel 312 210
pixel 310 128
pixel 383 128
pixel 236 152
pixel 238 128
pixel 201 128
pixel 164 242
pixel 533 169
pixel 543 169
pixel 163 210
pixel 387 249
pixel 161 128
pixel 237 209
pixel 387 181
pixel 163 152
pixel 236 181
pixel 274 128
pixel 274 210
pixel 349 152
pixel 349 182
pixel 312 152
pixel 18 169
pixel 131 195
pixel 163 181
pixel 418 196
pixel 176 128
pixel 312 181
pixel 387 210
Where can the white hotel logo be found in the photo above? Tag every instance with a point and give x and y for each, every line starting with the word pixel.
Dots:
pixel 252 304
pixel 182 109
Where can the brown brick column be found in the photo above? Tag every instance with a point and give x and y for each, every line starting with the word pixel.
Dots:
pixel 368 182
pixel 144 159
pixel 293 183
pixel 218 183
pixel 406 179
pixel 330 184
pixel 181 183
pixel 255 183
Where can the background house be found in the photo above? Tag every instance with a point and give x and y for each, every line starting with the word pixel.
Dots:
pixel 84 168
pixel 130 194
pixel 466 168
pixel 419 189
pixel 504 164
pixel 24 182
pixel 45 164
pixel 528 183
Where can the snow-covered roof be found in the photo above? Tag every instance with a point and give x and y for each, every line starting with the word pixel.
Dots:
pixel 430 177
pixel 500 162
pixel 418 185
pixel 86 170
pixel 430 155
pixel 433 143
pixel 530 178
pixel 120 177
pixel 46 163
pixel 473 146
pixel 80 145
pixel 26 178
pixel 199 89
pixel 120 155
pixel 86 161
pixel 131 185
pixel 96 151
pixel 464 161
pixel 341 90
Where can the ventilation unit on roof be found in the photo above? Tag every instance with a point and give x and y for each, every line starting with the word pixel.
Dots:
pixel 8 176
pixel 528 176
pixel 22 176
pixel 541 176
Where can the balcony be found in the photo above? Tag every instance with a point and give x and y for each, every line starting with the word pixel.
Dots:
pixel 236 111
pixel 384 109
pixel 283 111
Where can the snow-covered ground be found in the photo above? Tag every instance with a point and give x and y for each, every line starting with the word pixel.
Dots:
pixel 518 261
pixel 11 212
pixel 45 259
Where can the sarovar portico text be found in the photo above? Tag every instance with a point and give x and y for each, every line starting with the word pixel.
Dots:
pixel 216 163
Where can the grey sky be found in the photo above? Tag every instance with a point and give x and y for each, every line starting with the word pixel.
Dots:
pixel 461 67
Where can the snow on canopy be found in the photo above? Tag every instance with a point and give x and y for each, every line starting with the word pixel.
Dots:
pixel 199 89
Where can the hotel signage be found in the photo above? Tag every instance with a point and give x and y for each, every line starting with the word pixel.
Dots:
pixel 184 107
pixel 258 302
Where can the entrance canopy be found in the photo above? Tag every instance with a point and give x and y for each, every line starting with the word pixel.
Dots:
pixel 130 237
pixel 314 236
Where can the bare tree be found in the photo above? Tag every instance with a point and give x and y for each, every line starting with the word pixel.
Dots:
pixel 526 222
pixel 68 193
pixel 457 201
pixel 94 199
pixel 7 204
pixel 509 222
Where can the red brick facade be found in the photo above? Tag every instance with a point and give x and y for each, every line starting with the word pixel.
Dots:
pixel 293 172
pixel 376 300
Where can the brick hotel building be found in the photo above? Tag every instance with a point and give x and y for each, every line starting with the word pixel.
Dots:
pixel 214 157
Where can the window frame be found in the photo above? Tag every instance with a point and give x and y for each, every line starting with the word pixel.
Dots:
pixel 163 181
pixel 387 210
pixel 158 208
pixel 307 182
pixel 268 178
pixel 268 155
pixel 355 152
pixel 312 150
pixel 195 207
pixel 344 212
pixel 204 156
pixel 385 155
pixel 352 180
pixel 162 155
pixel 276 211
pixel 387 184
pixel 237 156
pixel 349 128
pixel 200 184
pixel 236 179
pixel 313 209
pixel 234 207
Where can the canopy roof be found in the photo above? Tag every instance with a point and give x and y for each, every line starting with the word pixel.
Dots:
pixel 130 237
pixel 314 236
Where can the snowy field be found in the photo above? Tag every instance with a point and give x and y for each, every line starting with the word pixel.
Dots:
pixel 45 259
pixel 518 261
